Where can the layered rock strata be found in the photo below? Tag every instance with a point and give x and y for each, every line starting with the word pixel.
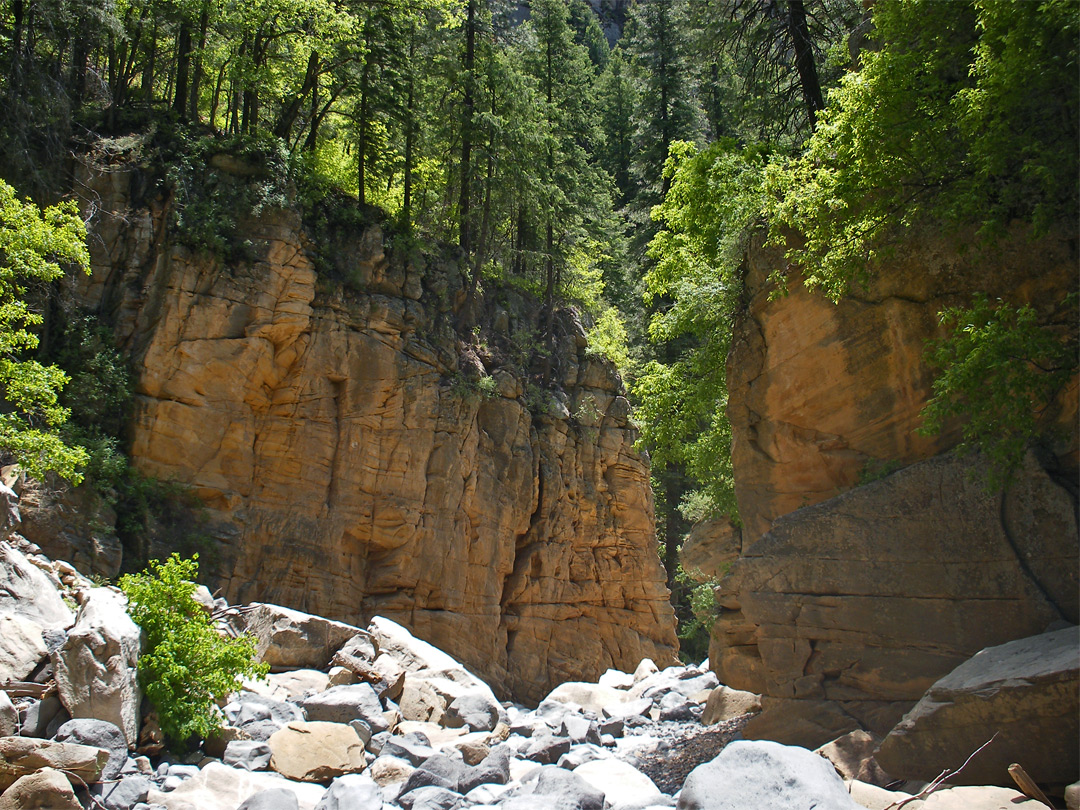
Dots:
pixel 356 456
pixel 854 607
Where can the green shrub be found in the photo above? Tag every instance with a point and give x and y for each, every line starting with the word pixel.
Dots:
pixel 186 665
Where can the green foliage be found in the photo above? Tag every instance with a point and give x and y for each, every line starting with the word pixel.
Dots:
pixel 967 114
pixel 99 395
pixel 33 245
pixel 1000 371
pixel 608 339
pixel 697 617
pixel 709 212
pixel 186 665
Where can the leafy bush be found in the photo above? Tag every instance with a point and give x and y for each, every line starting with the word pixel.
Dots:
pixel 187 665
pixel 1000 371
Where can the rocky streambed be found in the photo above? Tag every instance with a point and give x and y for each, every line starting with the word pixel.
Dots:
pixel 375 719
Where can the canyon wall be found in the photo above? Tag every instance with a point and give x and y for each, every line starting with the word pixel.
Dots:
pixel 849 595
pixel 356 456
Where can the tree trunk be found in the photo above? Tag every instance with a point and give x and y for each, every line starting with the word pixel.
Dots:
pixel 464 229
pixel 183 67
pixel 804 59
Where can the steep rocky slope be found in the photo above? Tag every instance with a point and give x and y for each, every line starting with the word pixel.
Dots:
pixel 357 456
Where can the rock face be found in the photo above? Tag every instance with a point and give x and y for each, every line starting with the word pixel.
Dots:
pixel 1027 692
pixel 822 394
pixel 352 463
pixel 865 600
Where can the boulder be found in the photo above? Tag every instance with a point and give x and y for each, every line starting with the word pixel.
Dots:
pixel 219 787
pixel 97 734
pixel 26 591
pixel 96 668
pixel 591 696
pixel 475 711
pixel 853 757
pixel 22 647
pixel 20 756
pixel 562 787
pixel 1026 692
pixel 343 704
pixel 251 755
pixel 124 793
pixel 430 797
pixel 352 791
pixel 272 799
pixel 725 703
pixel 865 600
pixel 316 751
pixel 44 789
pixel 72 523
pixel 620 782
pixel 289 639
pixel 289 684
pixel 764 776
pixel 9 716
pixel 388 770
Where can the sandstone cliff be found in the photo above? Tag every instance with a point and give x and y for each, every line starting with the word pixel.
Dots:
pixel 357 456
pixel 844 613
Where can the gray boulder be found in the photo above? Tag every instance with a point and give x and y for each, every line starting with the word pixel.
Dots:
pixel 26 591
pixel 22 647
pixel 439 770
pixel 289 639
pixel 99 734
pixel 272 799
pixel 494 770
pixel 124 794
pixel 567 788
pixel 9 716
pixel 353 791
pixel 342 704
pixel 96 666
pixel 476 711
pixel 1017 691
pixel 430 797
pixel 251 755
pixel 762 775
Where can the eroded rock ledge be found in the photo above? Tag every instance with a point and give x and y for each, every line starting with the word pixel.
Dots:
pixel 352 463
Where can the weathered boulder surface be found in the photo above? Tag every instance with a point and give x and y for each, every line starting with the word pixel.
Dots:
pixel 316 751
pixel 290 639
pixel 22 647
pixel 862 602
pixel 20 756
pixel 351 465
pixel 823 394
pixel 1026 692
pixel 26 591
pixel 44 789
pixel 96 668
pixel 765 776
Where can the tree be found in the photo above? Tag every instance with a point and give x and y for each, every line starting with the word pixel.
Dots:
pixel 34 243
pixel 186 665
pixel 988 94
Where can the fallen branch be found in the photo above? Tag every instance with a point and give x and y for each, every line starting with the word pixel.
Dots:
pixel 1027 785
pixel 936 783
